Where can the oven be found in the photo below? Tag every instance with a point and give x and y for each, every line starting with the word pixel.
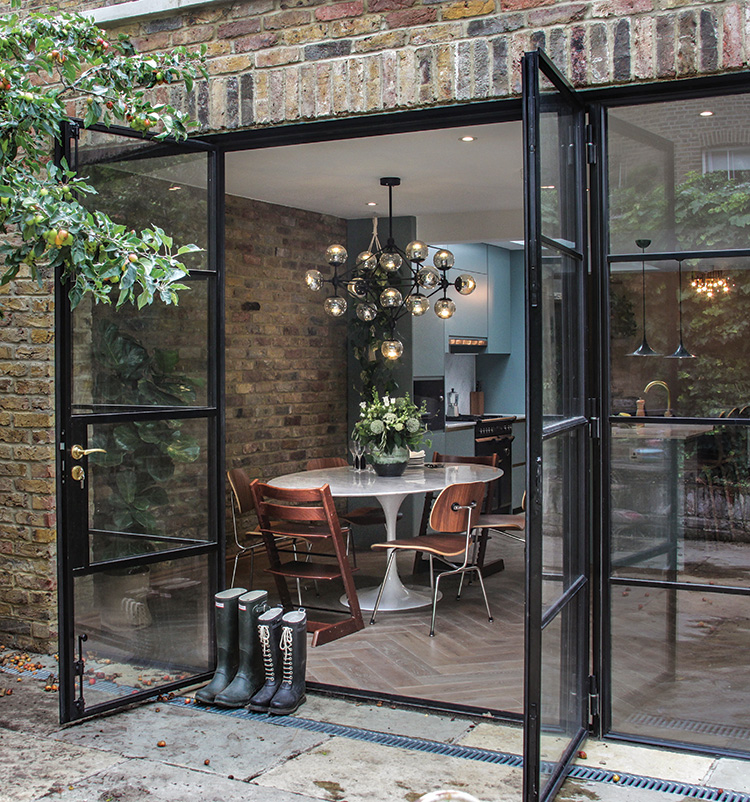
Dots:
pixel 495 436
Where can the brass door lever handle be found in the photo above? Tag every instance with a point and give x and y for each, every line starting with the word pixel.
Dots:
pixel 77 452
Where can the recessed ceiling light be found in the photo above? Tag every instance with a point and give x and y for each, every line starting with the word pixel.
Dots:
pixel 468 139
pixel 372 203
pixel 707 114
pixel 549 186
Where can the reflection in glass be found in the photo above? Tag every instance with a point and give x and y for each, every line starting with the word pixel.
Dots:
pixel 680 503
pixel 679 666
pixel 149 484
pixel 146 627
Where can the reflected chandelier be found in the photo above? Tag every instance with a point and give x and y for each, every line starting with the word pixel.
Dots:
pixel 380 285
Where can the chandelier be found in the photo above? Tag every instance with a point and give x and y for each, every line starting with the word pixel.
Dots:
pixel 390 282
pixel 714 282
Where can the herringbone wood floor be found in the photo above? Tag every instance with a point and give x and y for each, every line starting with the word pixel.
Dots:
pixel 470 661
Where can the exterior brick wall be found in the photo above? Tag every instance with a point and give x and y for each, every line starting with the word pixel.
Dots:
pixel 286 375
pixel 274 61
pixel 28 617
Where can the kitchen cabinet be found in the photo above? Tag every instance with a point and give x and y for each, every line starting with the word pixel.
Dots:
pixel 498 301
pixel 470 317
pixel 428 353
pixel 459 442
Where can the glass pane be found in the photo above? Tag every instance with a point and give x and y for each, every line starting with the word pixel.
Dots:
pixel 672 177
pixel 679 666
pixel 562 702
pixel 562 514
pixel 150 484
pixel 561 343
pixel 681 503
pixel 141 190
pixel 155 356
pixel 145 628
pixel 558 169
pixel 715 329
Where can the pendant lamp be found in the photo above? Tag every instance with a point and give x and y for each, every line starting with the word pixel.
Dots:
pixel 681 352
pixel 644 349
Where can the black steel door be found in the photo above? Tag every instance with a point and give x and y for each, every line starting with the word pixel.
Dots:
pixel 140 448
pixel 557 585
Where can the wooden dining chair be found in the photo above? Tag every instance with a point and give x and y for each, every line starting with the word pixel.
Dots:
pixel 452 518
pixel 307 514
pixel 360 516
pixel 505 524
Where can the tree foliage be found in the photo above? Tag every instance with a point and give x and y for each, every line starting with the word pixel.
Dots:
pixel 45 63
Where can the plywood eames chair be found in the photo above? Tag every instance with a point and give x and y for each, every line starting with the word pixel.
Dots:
pixel 488 459
pixel 242 504
pixel 452 518
pixel 505 524
pixel 310 515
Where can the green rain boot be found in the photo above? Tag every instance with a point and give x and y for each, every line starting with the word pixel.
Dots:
pixel 227 651
pixel 293 645
pixel 249 676
pixel 269 633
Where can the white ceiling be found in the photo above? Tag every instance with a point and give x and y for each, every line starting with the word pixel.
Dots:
pixel 440 175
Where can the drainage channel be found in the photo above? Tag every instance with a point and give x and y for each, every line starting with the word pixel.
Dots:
pixel 585 773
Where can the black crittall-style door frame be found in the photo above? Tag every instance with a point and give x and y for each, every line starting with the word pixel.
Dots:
pixel 77 423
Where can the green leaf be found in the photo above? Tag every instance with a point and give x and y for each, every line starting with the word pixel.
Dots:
pixel 183 448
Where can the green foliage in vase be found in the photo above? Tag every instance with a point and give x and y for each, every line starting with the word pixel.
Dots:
pixel 45 62
pixel 387 423
pixel 141 456
pixel 375 371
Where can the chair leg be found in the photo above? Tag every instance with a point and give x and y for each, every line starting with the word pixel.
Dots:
pixel 460 585
pixel 484 592
pixel 391 557
pixel 434 604
pixel 432 575
pixel 350 547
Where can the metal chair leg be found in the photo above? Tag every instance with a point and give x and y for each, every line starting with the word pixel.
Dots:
pixel 460 585
pixel 484 593
pixel 434 605
pixel 382 586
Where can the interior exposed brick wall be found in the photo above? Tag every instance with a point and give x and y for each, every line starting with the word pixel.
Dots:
pixel 275 61
pixel 27 466
pixel 286 376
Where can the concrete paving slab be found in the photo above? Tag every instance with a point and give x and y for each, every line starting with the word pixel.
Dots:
pixel 31 766
pixel 579 791
pixel 29 708
pixel 191 736
pixel 358 771
pixel 730 774
pixel 646 761
pixel 496 736
pixel 145 780
pixel 384 718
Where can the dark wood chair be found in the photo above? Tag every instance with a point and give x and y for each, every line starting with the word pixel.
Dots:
pixel 420 564
pixel 505 524
pixel 361 516
pixel 310 515
pixel 452 518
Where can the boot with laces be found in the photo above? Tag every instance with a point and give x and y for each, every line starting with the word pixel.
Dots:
pixel 293 646
pixel 269 634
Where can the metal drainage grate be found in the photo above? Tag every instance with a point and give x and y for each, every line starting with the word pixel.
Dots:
pixel 689 725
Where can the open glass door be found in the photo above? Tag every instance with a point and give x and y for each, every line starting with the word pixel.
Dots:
pixel 140 441
pixel 557 588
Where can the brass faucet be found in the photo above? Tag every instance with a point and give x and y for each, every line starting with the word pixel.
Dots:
pixel 659 383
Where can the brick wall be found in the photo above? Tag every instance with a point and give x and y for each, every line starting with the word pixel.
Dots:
pixel 285 358
pixel 275 61
pixel 27 485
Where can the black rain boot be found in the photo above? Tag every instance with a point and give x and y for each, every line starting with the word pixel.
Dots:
pixel 269 632
pixel 227 651
pixel 249 676
pixel 293 645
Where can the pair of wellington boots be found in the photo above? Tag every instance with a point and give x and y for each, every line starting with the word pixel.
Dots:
pixel 261 654
pixel 239 669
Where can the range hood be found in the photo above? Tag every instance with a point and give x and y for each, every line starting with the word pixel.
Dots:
pixel 466 345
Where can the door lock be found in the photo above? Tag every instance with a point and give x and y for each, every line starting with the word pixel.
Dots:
pixel 78 452
pixel 78 474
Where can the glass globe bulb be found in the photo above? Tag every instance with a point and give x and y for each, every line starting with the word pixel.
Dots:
pixel 390 262
pixel 336 255
pixel 366 312
pixel 428 278
pixel 392 349
pixel 366 261
pixel 417 304
pixel 335 306
pixel 314 280
pixel 416 251
pixel 357 287
pixel 444 308
pixel 443 259
pixel 466 284
pixel 390 297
